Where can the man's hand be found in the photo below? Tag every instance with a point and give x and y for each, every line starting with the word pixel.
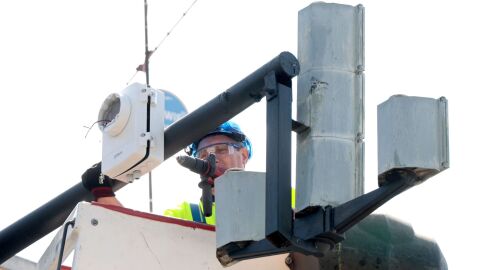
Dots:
pixel 97 183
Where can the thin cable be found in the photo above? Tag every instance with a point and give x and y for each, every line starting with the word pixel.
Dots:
pixel 133 76
pixel 175 25
pixel 143 67
pixel 89 128
pixel 62 245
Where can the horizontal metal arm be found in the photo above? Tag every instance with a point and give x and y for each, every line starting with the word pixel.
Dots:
pixel 350 213
pixel 329 223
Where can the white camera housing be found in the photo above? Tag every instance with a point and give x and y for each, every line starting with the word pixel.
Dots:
pixel 132 123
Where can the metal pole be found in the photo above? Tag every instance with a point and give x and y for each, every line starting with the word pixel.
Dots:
pixel 330 100
pixel 192 127
pixel 150 191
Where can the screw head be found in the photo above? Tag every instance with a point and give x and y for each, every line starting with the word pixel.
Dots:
pixel 288 260
pixel 130 178
pixel 94 222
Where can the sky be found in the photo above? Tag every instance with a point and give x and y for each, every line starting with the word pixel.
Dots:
pixel 60 59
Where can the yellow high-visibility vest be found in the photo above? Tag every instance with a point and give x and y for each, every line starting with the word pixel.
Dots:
pixel 194 212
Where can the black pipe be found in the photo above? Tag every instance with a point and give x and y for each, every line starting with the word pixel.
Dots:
pixel 190 128
pixel 228 104
pixel 40 222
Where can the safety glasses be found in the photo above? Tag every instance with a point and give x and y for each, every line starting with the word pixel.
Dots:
pixel 217 149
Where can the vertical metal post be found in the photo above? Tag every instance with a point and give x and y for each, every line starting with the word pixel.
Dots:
pixel 330 101
pixel 150 191
pixel 278 213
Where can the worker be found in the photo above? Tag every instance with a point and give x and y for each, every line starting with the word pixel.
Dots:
pixel 232 150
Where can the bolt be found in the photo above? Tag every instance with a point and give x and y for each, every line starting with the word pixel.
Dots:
pixel 94 222
pixel 136 174
pixel 288 260
pixel 144 90
pixel 359 137
pixel 359 69
pixel 142 135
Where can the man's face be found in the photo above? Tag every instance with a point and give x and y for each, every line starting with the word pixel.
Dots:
pixel 229 153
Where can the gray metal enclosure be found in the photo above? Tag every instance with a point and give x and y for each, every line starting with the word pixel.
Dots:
pixel 412 135
pixel 330 101
pixel 240 197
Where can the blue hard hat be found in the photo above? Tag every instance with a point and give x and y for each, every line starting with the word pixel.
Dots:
pixel 229 129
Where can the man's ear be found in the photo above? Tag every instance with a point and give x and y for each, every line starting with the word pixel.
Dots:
pixel 244 153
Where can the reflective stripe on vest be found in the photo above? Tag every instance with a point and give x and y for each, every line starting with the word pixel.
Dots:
pixel 197 214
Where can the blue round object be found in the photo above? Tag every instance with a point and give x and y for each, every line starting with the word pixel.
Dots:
pixel 174 108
